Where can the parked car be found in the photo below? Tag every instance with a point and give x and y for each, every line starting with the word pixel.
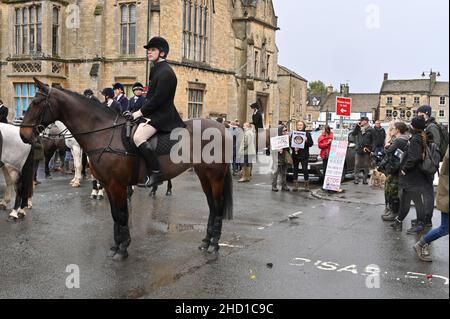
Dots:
pixel 315 166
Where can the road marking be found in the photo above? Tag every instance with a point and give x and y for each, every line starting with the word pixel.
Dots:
pixel 294 215
pixel 265 226
pixel 370 270
pixel 231 246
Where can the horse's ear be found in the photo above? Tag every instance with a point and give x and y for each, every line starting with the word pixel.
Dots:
pixel 40 85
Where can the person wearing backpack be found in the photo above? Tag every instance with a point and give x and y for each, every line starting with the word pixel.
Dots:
pixel 413 182
pixel 422 247
pixel 439 137
pixel 390 165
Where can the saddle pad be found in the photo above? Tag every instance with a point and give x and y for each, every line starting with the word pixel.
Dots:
pixel 160 143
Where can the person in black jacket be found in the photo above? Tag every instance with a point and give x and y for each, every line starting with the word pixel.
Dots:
pixel 158 111
pixel 301 156
pixel 108 93
pixel 3 113
pixel 379 139
pixel 119 96
pixel 138 100
pixel 413 182
pixel 390 166
pixel 257 118
pixel 363 134
pixel 90 95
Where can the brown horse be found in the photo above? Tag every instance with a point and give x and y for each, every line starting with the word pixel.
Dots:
pixel 98 131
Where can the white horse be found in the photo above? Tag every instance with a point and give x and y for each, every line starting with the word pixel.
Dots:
pixel 77 154
pixel 16 161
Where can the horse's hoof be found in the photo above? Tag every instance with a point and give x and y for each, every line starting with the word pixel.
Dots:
pixel 2 207
pixel 213 249
pixel 93 196
pixel 120 256
pixel 152 194
pixel 204 245
pixel 76 185
pixel 100 197
pixel 113 251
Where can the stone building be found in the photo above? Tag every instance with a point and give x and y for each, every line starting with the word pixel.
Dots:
pixel 363 104
pixel 399 99
pixel 293 95
pixel 223 51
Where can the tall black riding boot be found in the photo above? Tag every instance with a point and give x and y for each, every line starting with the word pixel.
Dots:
pixel 154 176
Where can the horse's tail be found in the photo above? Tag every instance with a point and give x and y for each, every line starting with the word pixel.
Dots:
pixel 228 197
pixel 27 177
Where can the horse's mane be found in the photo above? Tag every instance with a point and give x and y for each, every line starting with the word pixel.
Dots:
pixel 91 103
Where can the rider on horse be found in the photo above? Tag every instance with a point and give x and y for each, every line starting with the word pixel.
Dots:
pixel 158 113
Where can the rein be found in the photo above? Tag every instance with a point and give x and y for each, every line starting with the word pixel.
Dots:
pixel 107 149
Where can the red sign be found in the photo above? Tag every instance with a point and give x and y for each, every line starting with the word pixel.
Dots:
pixel 343 106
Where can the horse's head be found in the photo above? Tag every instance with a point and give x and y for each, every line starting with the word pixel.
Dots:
pixel 40 112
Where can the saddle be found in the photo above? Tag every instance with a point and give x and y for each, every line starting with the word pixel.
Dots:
pixel 160 143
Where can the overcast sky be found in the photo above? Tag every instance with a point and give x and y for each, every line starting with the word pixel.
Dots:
pixel 356 41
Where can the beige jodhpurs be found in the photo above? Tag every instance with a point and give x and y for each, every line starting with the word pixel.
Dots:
pixel 143 133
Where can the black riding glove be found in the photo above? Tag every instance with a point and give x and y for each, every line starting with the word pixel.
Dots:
pixel 128 115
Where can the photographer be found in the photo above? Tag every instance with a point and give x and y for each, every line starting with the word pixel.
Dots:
pixel 390 166
pixel 363 134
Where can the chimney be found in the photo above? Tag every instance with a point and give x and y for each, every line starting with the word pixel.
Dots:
pixel 330 89
pixel 345 89
pixel 386 76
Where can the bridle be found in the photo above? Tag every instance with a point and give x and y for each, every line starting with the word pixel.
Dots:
pixel 47 107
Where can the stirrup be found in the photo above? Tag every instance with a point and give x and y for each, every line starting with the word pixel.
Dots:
pixel 153 180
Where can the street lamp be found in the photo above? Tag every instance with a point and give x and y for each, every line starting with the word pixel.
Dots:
pixel 431 72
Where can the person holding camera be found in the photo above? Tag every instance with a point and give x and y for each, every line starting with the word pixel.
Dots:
pixel 390 166
pixel 363 134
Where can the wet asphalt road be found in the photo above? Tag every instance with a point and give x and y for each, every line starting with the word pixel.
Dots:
pixel 322 253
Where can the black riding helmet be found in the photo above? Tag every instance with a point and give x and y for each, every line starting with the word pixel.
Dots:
pixel 108 92
pixel 160 43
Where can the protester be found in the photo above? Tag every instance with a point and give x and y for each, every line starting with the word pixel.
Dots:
pixel 390 166
pixel 247 152
pixel 434 135
pixel 284 160
pixel 422 247
pixel 301 156
pixel 325 140
pixel 363 134
pixel 413 182
pixel 379 139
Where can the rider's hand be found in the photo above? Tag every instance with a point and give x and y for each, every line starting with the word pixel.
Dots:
pixel 127 115
pixel 137 115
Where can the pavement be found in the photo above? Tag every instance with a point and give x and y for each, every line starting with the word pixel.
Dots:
pixel 279 245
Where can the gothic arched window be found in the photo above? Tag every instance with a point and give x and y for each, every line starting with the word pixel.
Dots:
pixel 196 25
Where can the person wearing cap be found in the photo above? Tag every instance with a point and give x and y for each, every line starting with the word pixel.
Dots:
pixel 412 181
pixel 257 118
pixel 363 134
pixel 90 95
pixel 432 128
pixel 119 96
pixel 433 136
pixel 159 111
pixel 110 102
pixel 138 99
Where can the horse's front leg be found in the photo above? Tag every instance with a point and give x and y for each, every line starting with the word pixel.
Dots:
pixel 117 195
pixel 77 162
pixel 8 190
